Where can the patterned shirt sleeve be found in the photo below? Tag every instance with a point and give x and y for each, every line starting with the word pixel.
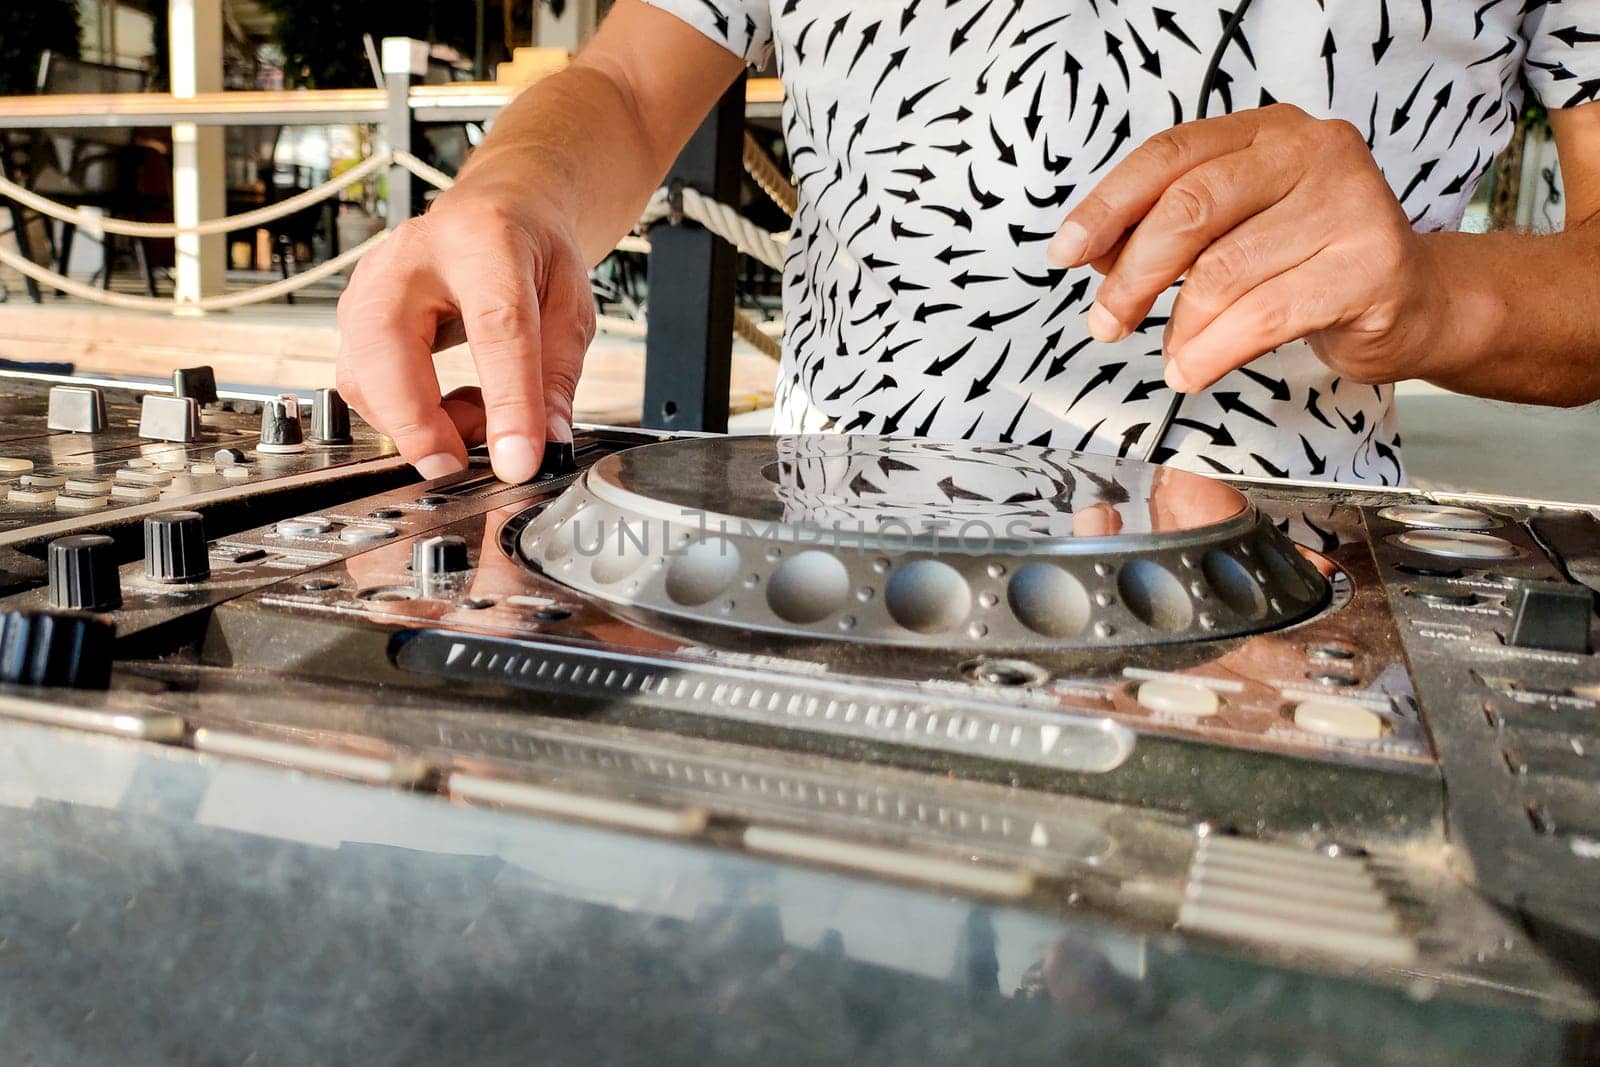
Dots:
pixel 1563 58
pixel 743 27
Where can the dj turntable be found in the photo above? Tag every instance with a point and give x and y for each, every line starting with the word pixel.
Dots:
pixel 817 746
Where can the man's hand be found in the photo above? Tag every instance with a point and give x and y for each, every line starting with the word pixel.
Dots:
pixel 516 279
pixel 1282 227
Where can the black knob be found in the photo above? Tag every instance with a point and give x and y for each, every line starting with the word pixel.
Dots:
pixel 43 648
pixel 280 425
pixel 83 573
pixel 558 459
pixel 197 382
pixel 175 547
pixel 330 418
pixel 446 554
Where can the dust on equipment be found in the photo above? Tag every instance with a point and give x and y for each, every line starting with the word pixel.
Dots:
pixel 878 749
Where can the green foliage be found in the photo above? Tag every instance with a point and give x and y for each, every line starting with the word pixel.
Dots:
pixel 321 39
pixel 27 28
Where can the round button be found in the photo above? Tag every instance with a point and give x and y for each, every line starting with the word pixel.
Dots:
pixel 388 513
pixel 1443 595
pixel 13 465
pixel 1338 718
pixel 365 532
pixel 1172 697
pixel 304 526
pixel 433 501
pixel 1438 517
pixel 1457 544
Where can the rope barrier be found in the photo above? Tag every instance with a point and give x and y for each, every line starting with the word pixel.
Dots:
pixel 767 176
pixel 97 224
pixel 715 216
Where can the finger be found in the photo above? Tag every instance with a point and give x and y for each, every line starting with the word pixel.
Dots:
pixel 568 325
pixel 1097 520
pixel 1195 210
pixel 1240 260
pixel 385 365
pixel 1122 197
pixel 1282 309
pixel 497 292
pixel 465 408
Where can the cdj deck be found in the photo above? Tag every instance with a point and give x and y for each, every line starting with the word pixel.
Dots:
pixel 867 747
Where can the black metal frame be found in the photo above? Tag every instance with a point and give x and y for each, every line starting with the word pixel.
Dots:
pixel 689 343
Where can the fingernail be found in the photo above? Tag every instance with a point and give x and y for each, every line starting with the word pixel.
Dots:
pixel 1103 326
pixel 558 427
pixel 1069 246
pixel 1174 377
pixel 514 458
pixel 438 465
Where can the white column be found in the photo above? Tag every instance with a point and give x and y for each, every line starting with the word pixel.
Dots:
pixel 198 175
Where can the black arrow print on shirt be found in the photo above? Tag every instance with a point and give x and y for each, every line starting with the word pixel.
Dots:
pixel 1423 172
pixel 843 389
pixel 872 313
pixel 900 286
pixel 1059 363
pixel 1026 35
pixel 959 38
pixel 1472 105
pixel 1130 437
pixel 800 42
pixel 1020 234
pixel 1062 194
pixel 1014 79
pixel 1100 101
pixel 909 196
pixel 1230 402
pixel 983 76
pixel 886 382
pixel 998 30
pixel 891 351
pixel 833 34
pixel 891 423
pixel 1088 436
pixel 1054 164
pixel 1047 280
pixel 1459 182
pixel 925 312
pixel 1148 60
pixel 1440 99
pixel 896 58
pixel 989 319
pixel 1144 390
pixel 1278 387
pixel 1167 22
pixel 1074 296
pixel 1328 51
pixel 1319 463
pixel 719 15
pixel 927 424
pixel 1571 36
pixel 1120 133
pixel 1427 18
pixel 1220 437
pixel 868 35
pixel 1114 50
pixel 899 232
pixel 1010 432
pixel 1275 471
pixel 1049 346
pixel 1385 38
pixel 1477 17
pixel 909 103
pixel 960 114
pixel 958 216
pixel 980 386
pixel 1103 375
pixel 1239 39
pixel 1499 53
pixel 908 14
pixel 1354 425
pixel 1402 114
pixel 950 255
pixel 1006 153
pixel 1032 119
pixel 1388 454
pixel 985 200
pixel 1071 68
pixel 966 278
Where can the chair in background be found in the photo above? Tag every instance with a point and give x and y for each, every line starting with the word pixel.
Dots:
pixel 89 167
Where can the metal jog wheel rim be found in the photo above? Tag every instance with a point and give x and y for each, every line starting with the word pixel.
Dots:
pixel 922 543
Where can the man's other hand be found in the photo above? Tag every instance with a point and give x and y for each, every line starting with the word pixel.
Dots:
pixel 1281 226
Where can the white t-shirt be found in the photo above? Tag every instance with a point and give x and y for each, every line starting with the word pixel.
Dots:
pixel 938 145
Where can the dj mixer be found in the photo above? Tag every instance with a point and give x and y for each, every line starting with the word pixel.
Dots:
pixel 820 747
